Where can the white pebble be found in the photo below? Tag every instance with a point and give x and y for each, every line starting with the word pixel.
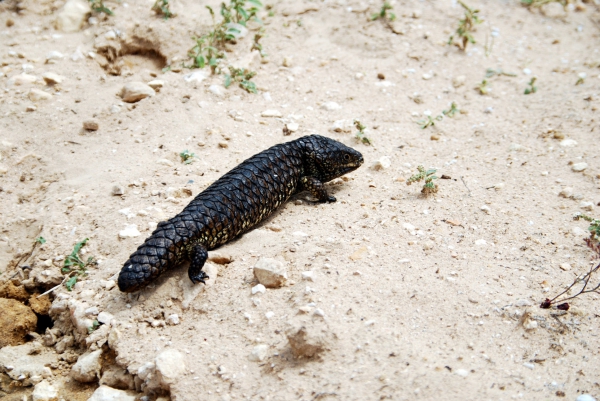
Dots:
pixel 462 372
pixel 217 90
pixel 485 209
pixel 130 231
pixel 382 163
pixel 259 288
pixel 271 113
pixel 292 127
pixel 173 319
pixel 565 266
pixel 135 91
pixel 195 77
pixel 259 353
pixel 585 397
pixel 578 167
pixel 269 314
pixel 331 106
pixel 308 276
pixel 480 242
pixel 568 143
pixel 589 206
pixel 319 312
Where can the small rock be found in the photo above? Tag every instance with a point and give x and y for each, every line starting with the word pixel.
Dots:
pixel 427 76
pixel 72 16
pixel 578 167
pixel 271 113
pixel 87 368
pixel 308 276
pixel 165 162
pixel 462 372
pixel 579 232
pixel 515 147
pixel 292 127
pixel 566 192
pixel 435 137
pixel 485 209
pixel 498 186
pixel 342 126
pixel 44 391
pixel 523 302
pixel 91 125
pixel 36 95
pixel 270 272
pixel 53 56
pixel 136 91
pixel 223 145
pixel 30 108
pixel 22 79
pixel 105 393
pixel 565 266
pixel 568 143
pixel 589 206
pixel 331 106
pixel 170 365
pixel 585 397
pixel 259 288
pixel 259 353
pixel 118 190
pixel 269 314
pixel 459 81
pixel 195 77
pixel 156 84
pixel 173 319
pixel 130 231
pixel 51 78
pixel 287 62
pixel 307 341
pixel 480 242
pixel 217 90
pixel 382 163
pixel 105 317
pixel 117 377
pixel 553 10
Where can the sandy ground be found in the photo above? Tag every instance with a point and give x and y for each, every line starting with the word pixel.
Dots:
pixel 413 297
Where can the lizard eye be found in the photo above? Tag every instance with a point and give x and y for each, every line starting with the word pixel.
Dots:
pixel 346 157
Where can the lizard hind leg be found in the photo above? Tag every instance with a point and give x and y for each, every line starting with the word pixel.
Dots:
pixel 199 254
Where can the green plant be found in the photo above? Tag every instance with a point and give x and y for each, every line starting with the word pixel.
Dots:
pixel 163 7
pixel 361 135
pixel 580 81
pixel 428 175
pixel 241 76
pixel 40 240
pixel 430 121
pixel 383 13
pixel 99 7
pixel 490 72
pixel 465 27
pixel 483 87
pixel 74 266
pixel 532 88
pixel 187 157
pixel 210 48
pixel 452 111
pixel 593 243
pixel 539 3
pixel 256 45
pixel 94 326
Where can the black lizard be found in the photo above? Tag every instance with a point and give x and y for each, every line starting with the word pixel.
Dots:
pixel 235 203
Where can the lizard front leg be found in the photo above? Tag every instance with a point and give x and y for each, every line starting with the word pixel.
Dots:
pixel 198 255
pixel 317 189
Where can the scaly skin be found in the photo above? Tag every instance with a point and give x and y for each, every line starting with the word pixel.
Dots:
pixel 237 202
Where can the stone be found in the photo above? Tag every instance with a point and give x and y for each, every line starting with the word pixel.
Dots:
pixel 589 206
pixel 271 113
pixel 19 363
pixel 173 319
pixel 53 56
pixel 331 106
pixel 292 127
pixel 117 190
pixel 259 353
pixel 87 368
pixel 16 320
pixel 105 393
pixel 459 81
pixel 342 126
pixel 156 84
pixel 22 79
pixel 44 391
pixel 136 91
pixel 515 147
pixel 78 317
pixel 72 16
pixel 568 143
pixel 308 276
pixel 46 278
pixel 117 377
pixel 270 272
pixel 553 10
pixel 36 95
pixel 259 288
pixel 578 167
pixel 585 397
pixel 129 231
pixel 566 192
pixel 480 242
pixel 165 162
pixel 52 79
pixel 170 365
pixel 91 125
pixel 565 266
pixel 382 163
pixel 195 77
pixel 105 317
pixel 64 343
pixel 217 90
pixel 40 304
pixel 462 372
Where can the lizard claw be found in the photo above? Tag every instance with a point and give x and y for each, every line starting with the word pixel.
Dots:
pixel 200 278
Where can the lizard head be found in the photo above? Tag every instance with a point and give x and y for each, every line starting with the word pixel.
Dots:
pixel 327 159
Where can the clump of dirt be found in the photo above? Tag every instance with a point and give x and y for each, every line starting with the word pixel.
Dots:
pixel 16 321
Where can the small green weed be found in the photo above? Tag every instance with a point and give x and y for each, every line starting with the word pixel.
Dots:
pixel 383 13
pixel 430 121
pixel 74 266
pixel 490 72
pixel 452 111
pixel 594 227
pixel 361 135
pixel 242 77
pixel 483 87
pixel 256 45
pixel 539 3
pixel 162 7
pixel 94 326
pixel 428 175
pixel 187 157
pixel 466 27
pixel 99 7
pixel 580 80
pixel 40 240
pixel 532 88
